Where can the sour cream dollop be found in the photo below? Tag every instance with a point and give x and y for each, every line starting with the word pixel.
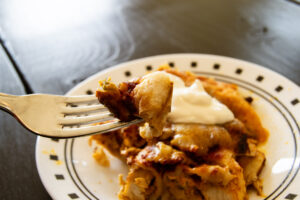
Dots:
pixel 194 105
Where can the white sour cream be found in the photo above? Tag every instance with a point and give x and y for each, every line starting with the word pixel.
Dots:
pixel 193 105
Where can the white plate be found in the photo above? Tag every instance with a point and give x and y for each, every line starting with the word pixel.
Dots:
pixel 68 170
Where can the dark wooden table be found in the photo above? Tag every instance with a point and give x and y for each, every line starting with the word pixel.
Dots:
pixel 50 46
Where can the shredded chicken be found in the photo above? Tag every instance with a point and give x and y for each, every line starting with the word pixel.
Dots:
pixel 161 153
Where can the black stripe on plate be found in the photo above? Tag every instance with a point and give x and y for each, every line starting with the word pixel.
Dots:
pixel 291 196
pixel 53 157
pixel 73 196
pixel 294 102
pixel 59 177
pixel 238 71
pixel 278 88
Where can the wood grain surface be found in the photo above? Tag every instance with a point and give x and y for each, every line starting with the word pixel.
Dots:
pixel 18 174
pixel 55 44
pixel 59 43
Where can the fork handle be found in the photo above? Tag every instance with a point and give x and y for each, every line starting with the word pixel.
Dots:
pixel 7 101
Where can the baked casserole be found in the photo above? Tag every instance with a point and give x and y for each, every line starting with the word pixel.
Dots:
pixel 185 149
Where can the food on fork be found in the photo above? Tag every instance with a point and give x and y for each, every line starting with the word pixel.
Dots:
pixel 199 139
pixel 148 97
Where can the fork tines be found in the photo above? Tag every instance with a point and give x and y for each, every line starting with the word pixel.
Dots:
pixel 83 110
pixel 99 128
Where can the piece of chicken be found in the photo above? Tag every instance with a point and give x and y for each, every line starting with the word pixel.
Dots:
pixel 161 153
